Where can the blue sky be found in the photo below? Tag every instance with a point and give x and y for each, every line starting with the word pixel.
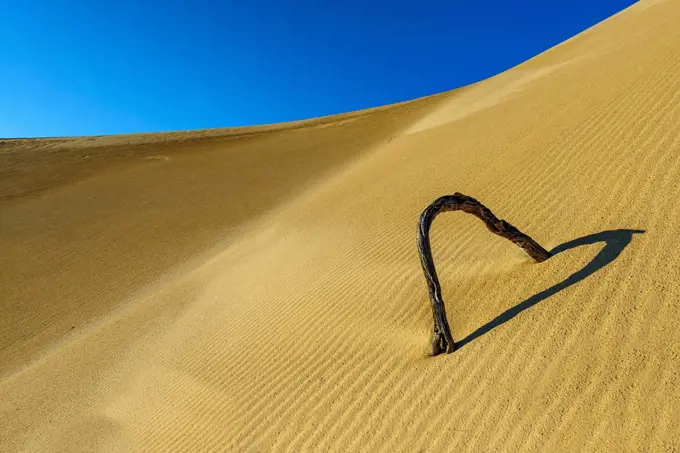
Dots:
pixel 94 67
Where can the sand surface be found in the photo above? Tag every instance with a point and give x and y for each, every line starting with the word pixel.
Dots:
pixel 259 289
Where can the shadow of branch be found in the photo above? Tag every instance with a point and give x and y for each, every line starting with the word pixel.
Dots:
pixel 615 241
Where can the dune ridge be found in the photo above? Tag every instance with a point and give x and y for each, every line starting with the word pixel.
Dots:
pixel 258 290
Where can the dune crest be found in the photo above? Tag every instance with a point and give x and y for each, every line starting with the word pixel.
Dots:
pixel 259 289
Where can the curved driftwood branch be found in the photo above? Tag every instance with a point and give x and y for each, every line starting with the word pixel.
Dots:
pixel 442 341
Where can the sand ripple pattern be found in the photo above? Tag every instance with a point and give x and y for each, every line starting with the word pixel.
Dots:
pixel 261 292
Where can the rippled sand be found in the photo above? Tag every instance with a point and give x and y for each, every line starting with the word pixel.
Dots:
pixel 259 289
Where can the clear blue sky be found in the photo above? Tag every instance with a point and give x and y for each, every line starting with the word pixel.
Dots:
pixel 102 67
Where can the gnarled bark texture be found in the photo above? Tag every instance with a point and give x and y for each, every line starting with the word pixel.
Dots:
pixel 442 341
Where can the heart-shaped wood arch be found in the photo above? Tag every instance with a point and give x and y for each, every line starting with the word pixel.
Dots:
pixel 442 341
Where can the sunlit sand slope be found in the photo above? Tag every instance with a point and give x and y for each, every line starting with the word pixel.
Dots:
pixel 259 289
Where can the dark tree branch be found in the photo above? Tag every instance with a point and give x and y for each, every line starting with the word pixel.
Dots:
pixel 442 341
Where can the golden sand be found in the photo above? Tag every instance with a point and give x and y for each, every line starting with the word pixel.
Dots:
pixel 259 289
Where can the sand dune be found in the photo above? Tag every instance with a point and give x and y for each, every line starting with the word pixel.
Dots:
pixel 259 289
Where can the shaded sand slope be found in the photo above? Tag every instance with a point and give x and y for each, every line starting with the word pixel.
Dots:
pixel 264 293
pixel 86 221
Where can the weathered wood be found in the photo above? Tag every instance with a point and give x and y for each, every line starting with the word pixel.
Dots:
pixel 442 341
